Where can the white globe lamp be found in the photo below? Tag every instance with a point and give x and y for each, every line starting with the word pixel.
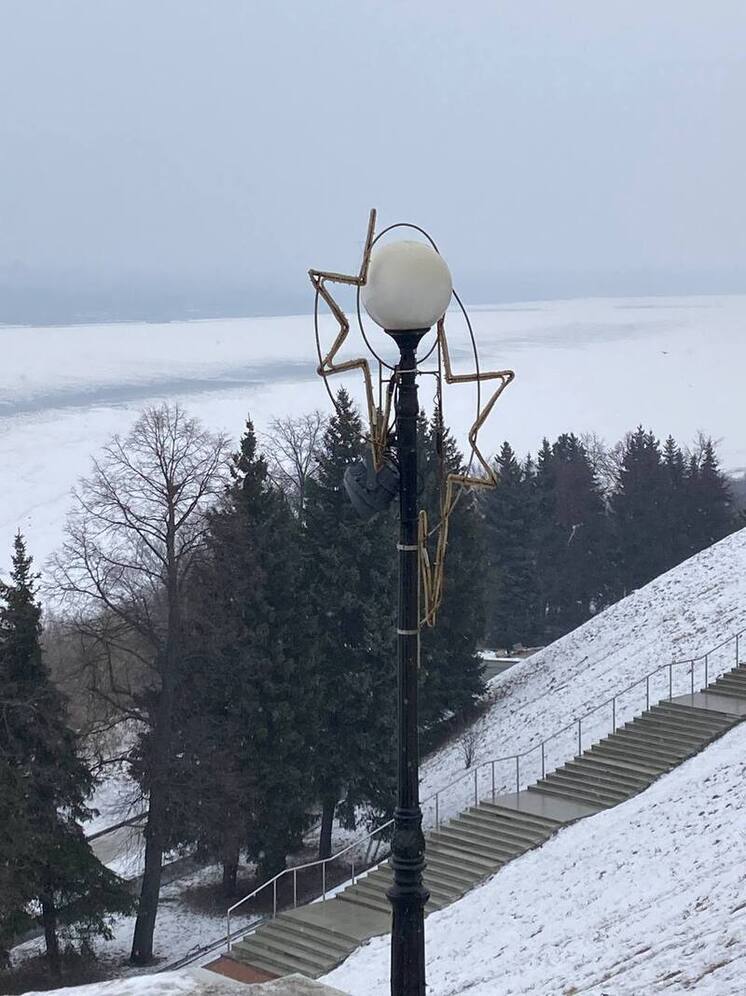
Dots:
pixel 408 288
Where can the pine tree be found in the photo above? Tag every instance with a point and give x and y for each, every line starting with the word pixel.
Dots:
pixel 246 705
pixel 349 572
pixel 639 506
pixel 571 537
pixel 712 513
pixel 508 521
pixel 451 668
pixel 677 508
pixel 47 783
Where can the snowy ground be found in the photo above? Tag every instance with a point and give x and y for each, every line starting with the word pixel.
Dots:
pixel 181 927
pixel 644 898
pixel 601 365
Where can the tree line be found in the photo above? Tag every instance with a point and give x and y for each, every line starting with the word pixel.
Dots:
pixel 580 526
pixel 235 618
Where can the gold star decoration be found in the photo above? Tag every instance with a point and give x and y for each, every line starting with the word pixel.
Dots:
pixel 431 571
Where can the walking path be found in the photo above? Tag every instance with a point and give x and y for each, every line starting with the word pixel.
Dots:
pixel 312 939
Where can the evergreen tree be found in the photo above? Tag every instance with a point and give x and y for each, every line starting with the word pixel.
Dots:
pixel 508 523
pixel 349 584
pixel 639 507
pixel 712 514
pixel 451 668
pixel 43 785
pixel 246 706
pixel 571 537
pixel 677 506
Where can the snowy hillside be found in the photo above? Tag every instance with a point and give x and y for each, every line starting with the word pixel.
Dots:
pixel 601 365
pixel 643 898
pixel 647 897
pixel 680 615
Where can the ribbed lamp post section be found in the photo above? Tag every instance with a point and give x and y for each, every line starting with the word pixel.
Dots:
pixel 407 292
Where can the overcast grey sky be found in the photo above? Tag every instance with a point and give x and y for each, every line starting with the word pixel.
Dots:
pixel 553 148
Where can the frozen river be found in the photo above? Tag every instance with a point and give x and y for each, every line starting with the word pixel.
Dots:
pixel 602 365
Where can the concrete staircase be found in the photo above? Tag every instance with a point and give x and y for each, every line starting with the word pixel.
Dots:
pixel 478 842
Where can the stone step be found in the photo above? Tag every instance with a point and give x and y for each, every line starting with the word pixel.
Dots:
pixel 663 747
pixel 439 891
pixel 461 857
pixel 686 724
pixel 627 750
pixel 604 794
pixel 728 687
pixel 627 774
pixel 480 833
pixel 715 722
pixel 585 771
pixel 627 762
pixel 256 952
pixel 642 774
pixel 573 796
pixel 680 707
pixel 370 902
pixel 520 817
pixel 305 928
pixel 277 947
pixel 307 942
pixel 450 873
pixel 531 836
pixel 472 843
pixel 662 728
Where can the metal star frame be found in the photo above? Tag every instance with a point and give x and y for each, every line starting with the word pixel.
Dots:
pixel 379 414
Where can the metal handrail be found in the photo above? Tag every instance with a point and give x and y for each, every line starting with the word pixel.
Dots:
pixel 294 872
pixel 473 772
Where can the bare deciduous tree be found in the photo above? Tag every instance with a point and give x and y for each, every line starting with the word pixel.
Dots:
pixel 469 741
pixel 132 538
pixel 291 445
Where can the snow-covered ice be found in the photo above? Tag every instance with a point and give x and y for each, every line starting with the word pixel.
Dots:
pixel 600 365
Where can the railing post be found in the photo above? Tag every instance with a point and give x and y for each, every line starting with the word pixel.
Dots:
pixel 670 681
pixel 323 881
pixel 738 635
pixel 493 779
pixel 580 736
pixel 353 871
pixel 476 787
pixel 691 671
pixel 647 692
pixel 706 670
pixel 613 715
pixel 274 900
pixel 437 808
pixel 517 773
pixel 542 758
pixel 228 936
pixel 295 887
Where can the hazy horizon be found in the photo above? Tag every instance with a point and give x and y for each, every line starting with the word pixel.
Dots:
pixel 184 159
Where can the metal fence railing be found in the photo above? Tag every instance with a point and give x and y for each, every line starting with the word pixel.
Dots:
pixel 511 773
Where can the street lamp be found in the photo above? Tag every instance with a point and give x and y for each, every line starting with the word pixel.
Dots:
pixel 407 292
pixel 406 287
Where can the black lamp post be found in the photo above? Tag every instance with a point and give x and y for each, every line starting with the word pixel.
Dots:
pixel 407 291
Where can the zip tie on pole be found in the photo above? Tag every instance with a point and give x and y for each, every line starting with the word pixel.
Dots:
pixel 408 547
pixel 407 632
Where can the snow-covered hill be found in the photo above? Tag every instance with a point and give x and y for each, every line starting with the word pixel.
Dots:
pixel 680 615
pixel 647 897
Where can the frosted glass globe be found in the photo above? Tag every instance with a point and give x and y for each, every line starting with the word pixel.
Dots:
pixel 409 286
